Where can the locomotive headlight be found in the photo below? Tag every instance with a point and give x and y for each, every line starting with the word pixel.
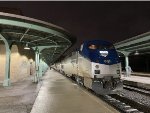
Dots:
pixel 97 66
pixel 103 53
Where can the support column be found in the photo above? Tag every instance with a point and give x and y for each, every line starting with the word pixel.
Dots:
pixel 36 77
pixel 45 67
pixel 127 64
pixel 126 54
pixel 40 66
pixel 7 65
pixel 7 81
pixel 39 62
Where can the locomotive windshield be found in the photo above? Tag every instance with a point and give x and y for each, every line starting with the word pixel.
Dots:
pixel 99 51
pixel 92 46
pixel 100 47
pixel 106 47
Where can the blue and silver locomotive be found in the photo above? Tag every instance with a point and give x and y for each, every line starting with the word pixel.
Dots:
pixel 95 65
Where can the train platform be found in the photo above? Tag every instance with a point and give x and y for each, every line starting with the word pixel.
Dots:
pixel 19 97
pixel 137 80
pixel 60 95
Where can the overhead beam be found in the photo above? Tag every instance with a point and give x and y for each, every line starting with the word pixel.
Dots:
pixel 40 48
pixel 41 39
pixel 136 47
pixel 142 48
pixel 33 26
pixel 17 32
pixel 24 34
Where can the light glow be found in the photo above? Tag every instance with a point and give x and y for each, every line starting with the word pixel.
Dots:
pixel 104 53
pixel 136 53
pixel 27 47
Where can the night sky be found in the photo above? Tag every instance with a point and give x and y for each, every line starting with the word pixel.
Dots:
pixel 111 21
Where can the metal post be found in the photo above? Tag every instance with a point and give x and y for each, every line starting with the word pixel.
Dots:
pixel 36 66
pixel 7 68
pixel 44 67
pixel 40 66
pixel 7 65
pixel 126 54
pixel 38 63
pixel 127 65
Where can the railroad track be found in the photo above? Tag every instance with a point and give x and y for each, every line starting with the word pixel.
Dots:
pixel 122 104
pixel 126 105
pixel 138 90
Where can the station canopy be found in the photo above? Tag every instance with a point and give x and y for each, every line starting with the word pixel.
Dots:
pixel 36 33
pixel 139 44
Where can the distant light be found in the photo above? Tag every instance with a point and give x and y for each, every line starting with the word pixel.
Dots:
pixel 136 53
pixel 26 47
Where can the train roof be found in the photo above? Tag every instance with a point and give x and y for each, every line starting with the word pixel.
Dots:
pixel 97 42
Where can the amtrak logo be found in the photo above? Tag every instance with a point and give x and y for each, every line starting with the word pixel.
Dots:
pixel 107 61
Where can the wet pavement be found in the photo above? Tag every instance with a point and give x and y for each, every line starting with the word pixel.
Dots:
pixel 59 95
pixel 19 97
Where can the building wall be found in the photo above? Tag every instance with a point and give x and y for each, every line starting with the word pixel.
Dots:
pixel 21 65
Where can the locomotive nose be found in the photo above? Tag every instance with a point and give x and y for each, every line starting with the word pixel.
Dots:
pixel 109 85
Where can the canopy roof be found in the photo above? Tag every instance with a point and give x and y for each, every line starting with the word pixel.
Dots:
pixel 140 43
pixel 54 40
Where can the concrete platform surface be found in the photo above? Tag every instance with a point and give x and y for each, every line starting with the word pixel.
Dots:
pixel 145 80
pixel 19 97
pixel 60 95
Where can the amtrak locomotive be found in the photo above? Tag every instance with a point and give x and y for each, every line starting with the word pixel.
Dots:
pixel 95 65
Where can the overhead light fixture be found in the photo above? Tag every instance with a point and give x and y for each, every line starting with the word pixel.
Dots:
pixel 136 53
pixel 26 46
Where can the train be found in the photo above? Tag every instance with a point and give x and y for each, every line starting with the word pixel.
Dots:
pixel 95 65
